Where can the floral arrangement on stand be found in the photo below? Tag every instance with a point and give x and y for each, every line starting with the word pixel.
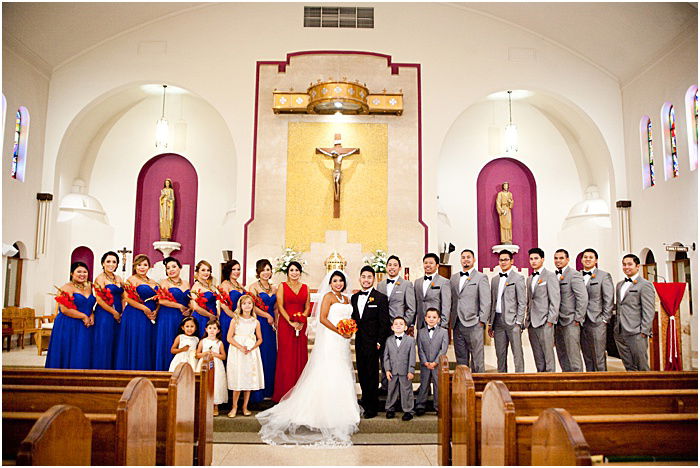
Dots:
pixel 288 256
pixel 377 260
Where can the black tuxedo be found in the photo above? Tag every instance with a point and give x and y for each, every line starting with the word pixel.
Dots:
pixel 372 329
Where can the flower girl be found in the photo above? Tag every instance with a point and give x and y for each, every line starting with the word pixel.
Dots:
pixel 211 344
pixel 244 366
pixel 185 344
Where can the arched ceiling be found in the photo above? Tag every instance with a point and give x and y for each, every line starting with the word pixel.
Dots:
pixel 619 38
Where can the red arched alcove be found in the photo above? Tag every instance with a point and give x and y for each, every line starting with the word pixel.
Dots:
pixel 524 190
pixel 85 255
pixel 150 182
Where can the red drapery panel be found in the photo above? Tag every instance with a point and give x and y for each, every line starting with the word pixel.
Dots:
pixel 670 295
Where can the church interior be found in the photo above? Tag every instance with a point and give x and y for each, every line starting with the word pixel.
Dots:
pixel 339 131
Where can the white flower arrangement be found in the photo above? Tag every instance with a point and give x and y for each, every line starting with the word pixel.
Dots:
pixel 288 256
pixel 377 260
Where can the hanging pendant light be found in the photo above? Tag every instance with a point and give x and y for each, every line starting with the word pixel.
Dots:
pixel 511 134
pixel 162 130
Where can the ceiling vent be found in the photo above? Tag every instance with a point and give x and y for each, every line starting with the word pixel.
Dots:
pixel 338 17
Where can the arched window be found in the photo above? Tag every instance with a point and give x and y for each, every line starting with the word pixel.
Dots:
pixel 691 118
pixel 19 148
pixel 673 142
pixel 646 140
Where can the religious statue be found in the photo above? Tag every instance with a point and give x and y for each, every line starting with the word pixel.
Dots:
pixel 504 207
pixel 337 153
pixel 167 210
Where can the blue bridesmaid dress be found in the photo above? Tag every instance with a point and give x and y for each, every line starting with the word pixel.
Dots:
pixel 268 351
pixel 136 343
pixel 106 331
pixel 202 319
pixel 167 324
pixel 225 320
pixel 71 341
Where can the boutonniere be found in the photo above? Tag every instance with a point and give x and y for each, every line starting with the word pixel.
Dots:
pixel 593 276
pixel 539 282
pixel 468 278
pixel 634 282
pixel 371 299
pixel 561 277
pixel 506 283
pixel 432 284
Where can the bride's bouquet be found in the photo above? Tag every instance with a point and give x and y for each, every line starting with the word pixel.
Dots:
pixel 347 327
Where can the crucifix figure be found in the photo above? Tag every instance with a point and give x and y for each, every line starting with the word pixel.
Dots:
pixel 124 251
pixel 337 153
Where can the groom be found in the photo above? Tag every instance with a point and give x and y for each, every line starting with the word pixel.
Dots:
pixel 370 309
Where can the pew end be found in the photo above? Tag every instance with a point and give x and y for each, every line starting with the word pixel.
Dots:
pixel 62 436
pixel 498 436
pixel 444 416
pixel 137 424
pixel 179 440
pixel 558 441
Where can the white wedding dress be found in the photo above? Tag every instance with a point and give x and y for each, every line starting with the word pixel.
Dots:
pixel 321 409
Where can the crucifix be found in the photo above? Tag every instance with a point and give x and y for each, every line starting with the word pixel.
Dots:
pixel 337 153
pixel 124 252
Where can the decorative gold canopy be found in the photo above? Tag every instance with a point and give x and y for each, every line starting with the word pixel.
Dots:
pixel 335 261
pixel 329 97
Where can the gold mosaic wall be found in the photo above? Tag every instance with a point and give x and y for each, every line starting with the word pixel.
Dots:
pixel 363 197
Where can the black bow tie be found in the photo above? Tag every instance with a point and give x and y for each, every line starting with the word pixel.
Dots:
pixel 399 337
pixel 628 279
pixel 463 273
pixel 503 275
pixel 363 293
pixel 589 273
pixel 428 278
pixel 390 281
pixel 559 272
pixel 431 329
pixel 536 273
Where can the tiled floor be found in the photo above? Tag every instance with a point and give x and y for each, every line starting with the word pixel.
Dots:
pixel 257 455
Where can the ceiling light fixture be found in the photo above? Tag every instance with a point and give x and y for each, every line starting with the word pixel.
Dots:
pixel 511 135
pixel 162 130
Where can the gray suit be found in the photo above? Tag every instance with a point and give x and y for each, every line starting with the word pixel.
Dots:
pixel 542 315
pixel 508 325
pixel 470 312
pixel 400 360
pixel 402 301
pixel 635 316
pixel 429 350
pixel 437 295
pixel 572 311
pixel 601 299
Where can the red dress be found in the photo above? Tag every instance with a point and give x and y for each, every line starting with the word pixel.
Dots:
pixel 292 350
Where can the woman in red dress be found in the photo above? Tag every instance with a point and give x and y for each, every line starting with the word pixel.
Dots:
pixel 293 307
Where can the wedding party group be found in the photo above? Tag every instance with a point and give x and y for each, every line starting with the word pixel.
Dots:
pixel 258 336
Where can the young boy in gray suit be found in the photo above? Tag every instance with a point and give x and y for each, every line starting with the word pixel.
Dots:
pixel 432 342
pixel 399 365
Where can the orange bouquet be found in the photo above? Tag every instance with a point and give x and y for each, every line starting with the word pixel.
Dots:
pixel 347 327
pixel 165 295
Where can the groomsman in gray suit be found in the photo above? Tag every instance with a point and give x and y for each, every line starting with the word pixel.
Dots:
pixel 507 320
pixel 572 311
pixel 471 309
pixel 601 299
pixel 432 291
pixel 635 315
pixel 402 299
pixel 542 310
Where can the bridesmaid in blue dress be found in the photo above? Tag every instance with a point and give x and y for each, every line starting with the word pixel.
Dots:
pixel 203 286
pixel 136 343
pixel 170 313
pixel 231 272
pixel 107 316
pixel 71 339
pixel 268 349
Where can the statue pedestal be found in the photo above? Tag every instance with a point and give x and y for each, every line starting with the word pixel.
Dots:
pixel 512 248
pixel 166 247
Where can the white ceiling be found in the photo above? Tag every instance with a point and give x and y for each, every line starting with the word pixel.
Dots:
pixel 620 38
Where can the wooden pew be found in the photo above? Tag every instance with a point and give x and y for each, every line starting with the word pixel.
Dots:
pixel 61 436
pixel 178 398
pixel 557 440
pixel 606 418
pixel 123 420
pixel 445 414
pixel 475 384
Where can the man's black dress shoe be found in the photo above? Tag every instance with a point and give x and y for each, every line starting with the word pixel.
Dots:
pixel 407 417
pixel 390 415
pixel 420 412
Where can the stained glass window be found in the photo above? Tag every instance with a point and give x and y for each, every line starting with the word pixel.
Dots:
pixel 15 151
pixel 672 135
pixel 652 178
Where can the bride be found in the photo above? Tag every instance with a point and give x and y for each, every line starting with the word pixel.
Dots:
pixel 321 409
